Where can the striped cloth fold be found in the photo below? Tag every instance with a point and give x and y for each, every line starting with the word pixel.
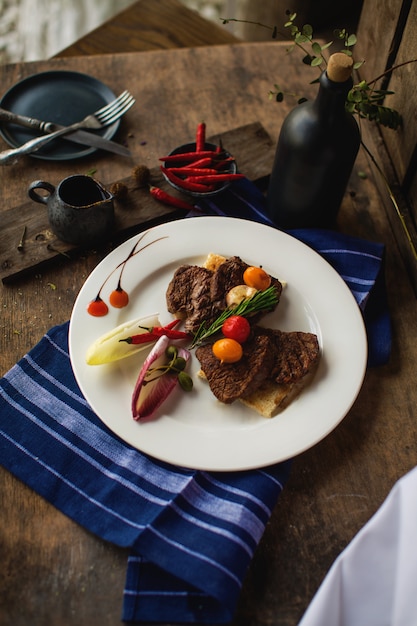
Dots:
pixel 191 534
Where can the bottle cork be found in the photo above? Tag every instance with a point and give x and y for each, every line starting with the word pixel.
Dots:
pixel 339 68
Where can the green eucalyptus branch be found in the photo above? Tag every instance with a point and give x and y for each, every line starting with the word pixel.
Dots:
pixel 363 100
pixel 227 20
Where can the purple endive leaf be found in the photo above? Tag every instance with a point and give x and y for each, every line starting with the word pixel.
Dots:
pixel 148 395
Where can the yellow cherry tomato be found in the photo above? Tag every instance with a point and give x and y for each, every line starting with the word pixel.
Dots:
pixel 256 277
pixel 227 350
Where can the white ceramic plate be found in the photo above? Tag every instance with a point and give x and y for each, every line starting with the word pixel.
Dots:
pixel 194 429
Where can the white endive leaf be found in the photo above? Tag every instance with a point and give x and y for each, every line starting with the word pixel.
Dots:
pixel 148 395
pixel 111 347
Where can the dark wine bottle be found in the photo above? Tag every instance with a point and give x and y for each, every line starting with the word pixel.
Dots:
pixel 316 151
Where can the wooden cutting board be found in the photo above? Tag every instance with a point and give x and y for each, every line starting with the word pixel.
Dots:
pixel 138 212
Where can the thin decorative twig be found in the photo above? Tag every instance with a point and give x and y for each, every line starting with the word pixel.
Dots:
pixel 392 198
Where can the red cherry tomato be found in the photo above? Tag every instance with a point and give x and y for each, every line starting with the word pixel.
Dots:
pixel 236 327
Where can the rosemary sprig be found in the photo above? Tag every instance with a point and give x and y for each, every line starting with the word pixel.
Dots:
pixel 265 300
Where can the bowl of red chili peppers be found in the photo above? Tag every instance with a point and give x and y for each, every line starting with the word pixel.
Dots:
pixel 200 169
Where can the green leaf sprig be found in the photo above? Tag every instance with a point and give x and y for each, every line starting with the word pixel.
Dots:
pixel 265 300
pixel 363 99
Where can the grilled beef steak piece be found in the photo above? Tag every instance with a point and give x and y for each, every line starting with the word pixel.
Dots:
pixel 230 274
pixel 196 294
pixel 188 296
pixel 295 354
pixel 268 355
pixel 230 381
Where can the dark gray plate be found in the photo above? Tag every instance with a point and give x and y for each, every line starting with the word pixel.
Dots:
pixel 62 97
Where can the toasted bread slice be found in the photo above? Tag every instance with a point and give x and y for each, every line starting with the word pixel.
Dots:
pixel 213 261
pixel 272 398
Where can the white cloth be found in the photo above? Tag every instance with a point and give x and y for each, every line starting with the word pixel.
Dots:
pixel 373 582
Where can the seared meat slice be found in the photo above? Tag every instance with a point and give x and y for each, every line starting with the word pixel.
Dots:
pixel 188 295
pixel 197 294
pixel 296 353
pixel 230 381
pixel 269 356
pixel 227 275
pixel 230 274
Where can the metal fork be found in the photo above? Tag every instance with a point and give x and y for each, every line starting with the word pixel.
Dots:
pixel 103 117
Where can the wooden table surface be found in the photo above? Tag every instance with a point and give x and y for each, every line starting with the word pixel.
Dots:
pixel 54 572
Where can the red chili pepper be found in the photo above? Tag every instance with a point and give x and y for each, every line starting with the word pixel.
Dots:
pixel 204 187
pixel 218 177
pixel 135 340
pixel 172 324
pixel 180 182
pixel 200 139
pixel 224 162
pixel 166 198
pixel 175 334
pixel 156 332
pixel 169 331
pixel 206 162
pixel 192 171
pixel 188 157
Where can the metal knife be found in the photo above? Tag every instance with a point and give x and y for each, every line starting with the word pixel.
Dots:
pixel 83 137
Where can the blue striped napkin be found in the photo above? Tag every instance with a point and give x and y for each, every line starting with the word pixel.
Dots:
pixel 191 534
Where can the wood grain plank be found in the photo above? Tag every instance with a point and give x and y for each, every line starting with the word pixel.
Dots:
pixel 335 487
pixel 137 212
pixel 155 25
pixel 376 33
pixel 387 36
pixel 402 144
